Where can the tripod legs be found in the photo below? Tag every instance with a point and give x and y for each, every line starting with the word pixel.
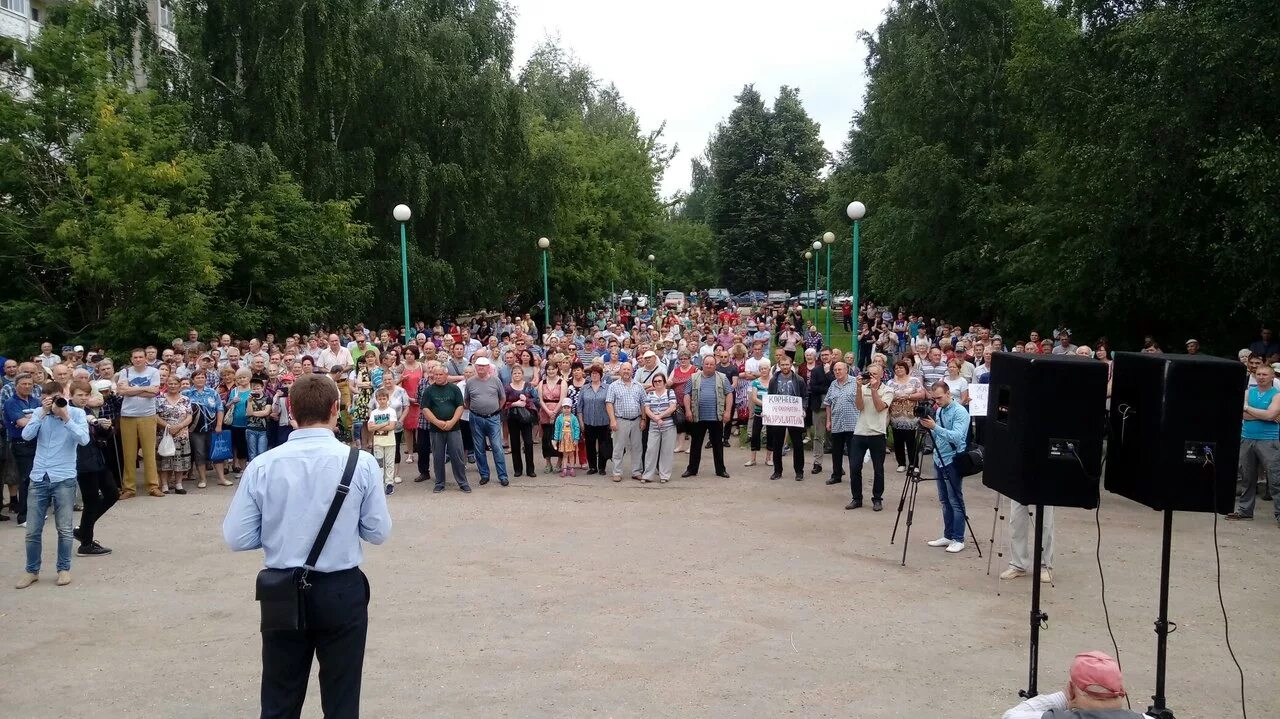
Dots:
pixel 1037 617
pixel 911 513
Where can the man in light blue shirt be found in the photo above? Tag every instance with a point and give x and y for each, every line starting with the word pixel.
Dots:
pixel 57 428
pixel 950 430
pixel 279 506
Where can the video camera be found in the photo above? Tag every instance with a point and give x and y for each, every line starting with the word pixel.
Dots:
pixel 923 410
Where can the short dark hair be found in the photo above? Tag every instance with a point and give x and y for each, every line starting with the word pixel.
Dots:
pixel 941 384
pixel 312 398
pixel 50 389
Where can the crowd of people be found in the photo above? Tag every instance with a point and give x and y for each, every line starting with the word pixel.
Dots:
pixel 603 391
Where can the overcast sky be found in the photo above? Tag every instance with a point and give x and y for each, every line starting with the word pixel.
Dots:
pixel 683 61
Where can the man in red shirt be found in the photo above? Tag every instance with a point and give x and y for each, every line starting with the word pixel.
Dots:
pixel 846 315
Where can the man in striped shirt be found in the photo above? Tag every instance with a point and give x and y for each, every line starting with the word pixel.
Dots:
pixel 932 370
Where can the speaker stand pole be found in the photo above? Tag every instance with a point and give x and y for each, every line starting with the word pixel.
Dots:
pixel 991 547
pixel 1037 617
pixel 1158 709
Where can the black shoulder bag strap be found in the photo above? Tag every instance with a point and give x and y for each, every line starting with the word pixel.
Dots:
pixel 344 487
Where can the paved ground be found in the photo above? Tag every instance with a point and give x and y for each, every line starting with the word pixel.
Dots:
pixel 701 598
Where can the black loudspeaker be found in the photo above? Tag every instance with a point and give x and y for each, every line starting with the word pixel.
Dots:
pixel 1046 419
pixel 1175 430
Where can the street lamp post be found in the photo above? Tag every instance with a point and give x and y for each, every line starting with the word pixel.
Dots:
pixel 652 300
pixel 544 244
pixel 828 238
pixel 808 271
pixel 402 214
pixel 817 254
pixel 856 211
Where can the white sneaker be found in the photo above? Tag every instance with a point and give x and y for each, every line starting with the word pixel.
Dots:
pixel 1046 575
pixel 399 479
pixel 901 468
pixel 939 542
pixel 955 547
pixel 1012 573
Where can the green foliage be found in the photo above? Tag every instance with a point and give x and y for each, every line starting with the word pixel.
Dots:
pixel 1092 161
pixel 761 191
pixel 115 232
pixel 686 256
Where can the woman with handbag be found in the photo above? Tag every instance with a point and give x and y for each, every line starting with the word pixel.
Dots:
pixel 679 384
pixel 908 391
pixel 550 392
pixel 660 408
pixel 521 407
pixel 173 443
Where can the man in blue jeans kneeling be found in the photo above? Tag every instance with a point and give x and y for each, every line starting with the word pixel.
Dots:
pixel 57 428
pixel 950 429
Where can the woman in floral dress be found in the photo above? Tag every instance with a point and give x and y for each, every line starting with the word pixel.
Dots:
pixel 174 415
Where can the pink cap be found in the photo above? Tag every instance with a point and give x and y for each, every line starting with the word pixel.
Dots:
pixel 1097 675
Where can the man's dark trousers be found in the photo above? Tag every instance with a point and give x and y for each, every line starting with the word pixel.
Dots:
pixel 448 445
pixel 420 442
pixel 337 611
pixel 858 448
pixel 698 432
pixel 841 445
pixel 776 437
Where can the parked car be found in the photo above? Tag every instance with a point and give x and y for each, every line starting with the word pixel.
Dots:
pixel 674 300
pixel 718 297
pixel 813 298
pixel 778 297
pixel 749 297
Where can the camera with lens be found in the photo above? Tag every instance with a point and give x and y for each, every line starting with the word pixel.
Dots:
pixel 865 376
pixel 59 401
pixel 923 410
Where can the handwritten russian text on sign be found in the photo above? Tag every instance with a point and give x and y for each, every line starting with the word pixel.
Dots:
pixel 978 399
pixel 783 411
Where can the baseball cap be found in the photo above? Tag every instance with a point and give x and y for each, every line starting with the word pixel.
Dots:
pixel 1097 675
pixel 287 378
pixel 483 362
pixel 79 348
pixel 649 354
pixel 1193 342
pixel 101 385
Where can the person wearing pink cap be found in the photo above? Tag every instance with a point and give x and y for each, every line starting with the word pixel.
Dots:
pixel 1095 690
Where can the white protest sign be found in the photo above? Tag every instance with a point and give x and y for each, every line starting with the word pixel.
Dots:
pixel 783 411
pixel 978 399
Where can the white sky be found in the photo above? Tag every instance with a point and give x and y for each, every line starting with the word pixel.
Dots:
pixel 683 61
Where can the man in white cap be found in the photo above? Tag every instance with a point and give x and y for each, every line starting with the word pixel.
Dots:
pixel 484 397
pixel 1193 347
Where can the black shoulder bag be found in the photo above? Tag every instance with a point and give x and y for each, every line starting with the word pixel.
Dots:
pixel 280 592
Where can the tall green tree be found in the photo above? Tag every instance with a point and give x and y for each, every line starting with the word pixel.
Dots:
pixel 765 190
pixel 392 102
pixel 114 230
pixel 1089 161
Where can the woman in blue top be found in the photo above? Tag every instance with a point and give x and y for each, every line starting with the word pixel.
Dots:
pixel 759 390
pixel 237 405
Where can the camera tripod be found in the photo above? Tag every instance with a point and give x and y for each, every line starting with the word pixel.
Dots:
pixel 911 490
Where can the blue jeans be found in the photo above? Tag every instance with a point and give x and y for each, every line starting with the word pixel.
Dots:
pixel 256 439
pixel 491 428
pixel 62 493
pixel 951 494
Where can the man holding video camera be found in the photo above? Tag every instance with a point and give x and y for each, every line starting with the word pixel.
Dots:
pixel 873 399
pixel 949 426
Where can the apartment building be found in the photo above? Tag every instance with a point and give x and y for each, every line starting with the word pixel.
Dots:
pixel 22 19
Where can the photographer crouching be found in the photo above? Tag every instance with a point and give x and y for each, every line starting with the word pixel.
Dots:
pixel 58 429
pixel 949 426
